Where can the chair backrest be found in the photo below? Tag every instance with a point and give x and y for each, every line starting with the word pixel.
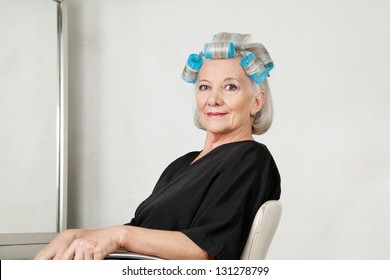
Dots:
pixel 262 231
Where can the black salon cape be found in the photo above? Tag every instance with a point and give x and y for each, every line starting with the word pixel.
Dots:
pixel 214 200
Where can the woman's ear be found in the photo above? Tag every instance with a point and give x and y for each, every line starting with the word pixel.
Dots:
pixel 258 103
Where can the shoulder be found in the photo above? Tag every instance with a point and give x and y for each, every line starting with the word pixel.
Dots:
pixel 246 150
pixel 249 156
pixel 253 161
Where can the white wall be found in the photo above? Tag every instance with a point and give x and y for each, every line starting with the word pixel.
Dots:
pixel 28 110
pixel 131 114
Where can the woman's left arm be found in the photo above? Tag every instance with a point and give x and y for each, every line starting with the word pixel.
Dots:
pixel 97 244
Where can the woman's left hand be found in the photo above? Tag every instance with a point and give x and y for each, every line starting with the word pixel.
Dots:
pixel 94 245
pixel 83 244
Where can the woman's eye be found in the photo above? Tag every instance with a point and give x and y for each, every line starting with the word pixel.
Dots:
pixel 231 87
pixel 203 87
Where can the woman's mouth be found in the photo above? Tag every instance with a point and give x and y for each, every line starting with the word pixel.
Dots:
pixel 215 114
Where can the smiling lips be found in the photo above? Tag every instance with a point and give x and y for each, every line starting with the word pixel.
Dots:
pixel 215 114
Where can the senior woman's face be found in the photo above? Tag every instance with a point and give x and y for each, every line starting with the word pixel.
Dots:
pixel 224 98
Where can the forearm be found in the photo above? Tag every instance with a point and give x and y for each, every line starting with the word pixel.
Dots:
pixel 96 244
pixel 165 244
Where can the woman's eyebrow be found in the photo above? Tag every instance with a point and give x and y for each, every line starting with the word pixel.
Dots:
pixel 203 80
pixel 231 78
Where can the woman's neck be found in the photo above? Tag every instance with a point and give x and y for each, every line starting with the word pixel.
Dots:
pixel 215 140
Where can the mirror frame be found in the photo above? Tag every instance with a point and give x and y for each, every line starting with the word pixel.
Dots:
pixel 26 245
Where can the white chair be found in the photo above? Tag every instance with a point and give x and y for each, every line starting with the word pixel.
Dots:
pixel 259 240
pixel 262 231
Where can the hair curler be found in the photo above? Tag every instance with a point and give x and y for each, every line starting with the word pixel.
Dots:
pixel 254 68
pixel 219 50
pixel 192 67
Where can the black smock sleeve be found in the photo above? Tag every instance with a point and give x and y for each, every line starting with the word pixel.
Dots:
pixel 222 223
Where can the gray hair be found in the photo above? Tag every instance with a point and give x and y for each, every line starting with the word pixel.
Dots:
pixel 262 121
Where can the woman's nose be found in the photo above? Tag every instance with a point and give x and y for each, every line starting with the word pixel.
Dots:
pixel 215 98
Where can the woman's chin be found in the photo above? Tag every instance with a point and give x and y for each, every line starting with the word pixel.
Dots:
pixel 217 129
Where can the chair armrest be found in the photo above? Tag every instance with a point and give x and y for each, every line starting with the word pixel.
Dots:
pixel 126 255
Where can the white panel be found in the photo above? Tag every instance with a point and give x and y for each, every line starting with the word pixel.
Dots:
pixel 28 110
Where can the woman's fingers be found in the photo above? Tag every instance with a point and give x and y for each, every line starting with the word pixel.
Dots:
pixel 88 256
pixel 52 251
pixel 79 255
pixel 57 247
pixel 81 245
pixel 44 255
pixel 85 248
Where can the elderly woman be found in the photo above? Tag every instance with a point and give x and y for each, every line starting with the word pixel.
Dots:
pixel 203 204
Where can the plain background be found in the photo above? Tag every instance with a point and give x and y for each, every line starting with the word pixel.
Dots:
pixel 28 104
pixel 130 114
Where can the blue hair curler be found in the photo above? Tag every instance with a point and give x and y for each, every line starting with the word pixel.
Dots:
pixel 254 68
pixel 192 67
pixel 195 62
pixel 269 66
pixel 259 77
pixel 246 59
pixel 219 50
